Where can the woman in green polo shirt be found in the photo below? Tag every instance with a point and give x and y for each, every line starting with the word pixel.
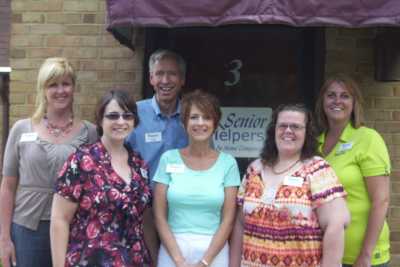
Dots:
pixel 360 158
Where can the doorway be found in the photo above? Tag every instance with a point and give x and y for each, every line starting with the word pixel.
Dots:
pixel 250 68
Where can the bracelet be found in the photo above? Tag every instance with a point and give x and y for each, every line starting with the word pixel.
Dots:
pixel 205 263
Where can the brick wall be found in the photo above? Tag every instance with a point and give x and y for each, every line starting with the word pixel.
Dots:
pixel 5 15
pixel 5 25
pixel 74 29
pixel 351 51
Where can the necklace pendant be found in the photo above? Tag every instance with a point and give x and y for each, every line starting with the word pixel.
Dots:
pixel 57 132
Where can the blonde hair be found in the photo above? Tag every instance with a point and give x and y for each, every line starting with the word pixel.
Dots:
pixel 51 70
pixel 357 115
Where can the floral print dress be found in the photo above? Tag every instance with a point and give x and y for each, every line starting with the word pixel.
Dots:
pixel 281 227
pixel 107 228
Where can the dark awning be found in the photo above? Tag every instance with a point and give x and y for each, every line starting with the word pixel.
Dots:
pixel 178 13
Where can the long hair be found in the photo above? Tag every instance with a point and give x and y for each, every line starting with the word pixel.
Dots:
pixel 357 115
pixel 269 153
pixel 51 70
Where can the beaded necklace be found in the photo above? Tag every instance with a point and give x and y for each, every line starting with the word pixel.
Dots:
pixel 56 130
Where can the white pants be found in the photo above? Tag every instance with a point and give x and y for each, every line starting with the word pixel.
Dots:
pixel 193 247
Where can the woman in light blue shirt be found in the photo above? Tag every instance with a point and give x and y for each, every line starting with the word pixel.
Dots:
pixel 195 190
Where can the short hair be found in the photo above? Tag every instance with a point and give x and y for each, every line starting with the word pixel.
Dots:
pixel 206 102
pixel 51 70
pixel 124 99
pixel 161 54
pixel 357 115
pixel 269 153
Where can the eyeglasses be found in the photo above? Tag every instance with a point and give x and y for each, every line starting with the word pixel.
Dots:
pixel 292 126
pixel 113 116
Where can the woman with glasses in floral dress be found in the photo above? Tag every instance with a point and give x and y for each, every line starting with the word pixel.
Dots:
pixel 102 196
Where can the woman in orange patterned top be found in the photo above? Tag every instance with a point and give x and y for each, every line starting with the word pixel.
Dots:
pixel 292 211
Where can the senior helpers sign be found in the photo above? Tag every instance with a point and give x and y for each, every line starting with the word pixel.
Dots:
pixel 241 131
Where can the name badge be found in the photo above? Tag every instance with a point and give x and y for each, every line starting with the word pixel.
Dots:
pixel 28 137
pixel 175 168
pixel 293 181
pixel 152 137
pixel 144 173
pixel 344 147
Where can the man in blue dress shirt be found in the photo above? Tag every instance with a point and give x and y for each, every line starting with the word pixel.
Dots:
pixel 160 127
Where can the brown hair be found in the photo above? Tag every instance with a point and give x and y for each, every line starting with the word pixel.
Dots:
pixel 206 102
pixel 269 153
pixel 357 115
pixel 124 99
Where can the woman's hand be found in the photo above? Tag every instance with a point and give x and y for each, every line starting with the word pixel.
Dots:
pixel 235 244
pixel 62 213
pixel 221 237
pixel 8 188
pixel 7 251
pixel 183 263
pixel 160 209
pixel 150 235
pixel 362 261
pixel 378 191
pixel 198 264
pixel 333 225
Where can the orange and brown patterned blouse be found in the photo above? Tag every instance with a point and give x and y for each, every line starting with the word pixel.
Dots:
pixel 281 225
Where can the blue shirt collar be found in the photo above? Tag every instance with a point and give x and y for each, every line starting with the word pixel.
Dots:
pixel 157 110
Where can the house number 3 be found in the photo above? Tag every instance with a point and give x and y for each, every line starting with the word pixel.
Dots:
pixel 235 70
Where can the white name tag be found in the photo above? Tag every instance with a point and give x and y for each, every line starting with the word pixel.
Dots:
pixel 144 173
pixel 28 137
pixel 344 147
pixel 175 168
pixel 152 137
pixel 293 181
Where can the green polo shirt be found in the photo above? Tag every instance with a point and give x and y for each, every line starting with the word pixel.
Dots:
pixel 360 153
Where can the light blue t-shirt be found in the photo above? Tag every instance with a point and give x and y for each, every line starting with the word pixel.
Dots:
pixel 156 133
pixel 195 198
